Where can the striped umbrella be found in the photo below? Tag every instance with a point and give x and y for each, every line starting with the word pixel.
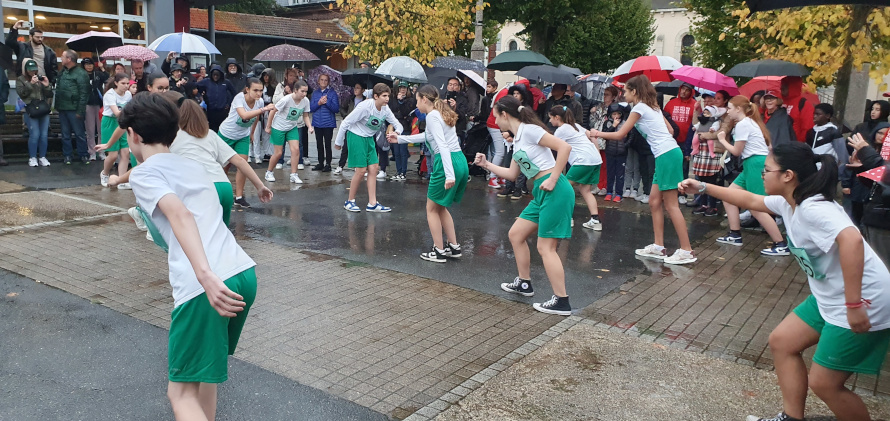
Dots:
pixel 183 42
pixel 656 68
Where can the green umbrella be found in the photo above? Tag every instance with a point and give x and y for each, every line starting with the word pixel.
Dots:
pixel 517 59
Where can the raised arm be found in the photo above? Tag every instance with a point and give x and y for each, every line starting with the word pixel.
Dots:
pixel 738 197
pixel 616 135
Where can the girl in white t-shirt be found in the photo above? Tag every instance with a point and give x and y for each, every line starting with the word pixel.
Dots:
pixel 585 160
pixel 550 211
pixel 653 125
pixel 751 142
pixel 847 317
pixel 283 126
pixel 238 128
pixel 112 103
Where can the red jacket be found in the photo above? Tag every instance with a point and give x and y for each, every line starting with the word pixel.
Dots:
pixel 536 94
pixel 683 113
pixel 803 118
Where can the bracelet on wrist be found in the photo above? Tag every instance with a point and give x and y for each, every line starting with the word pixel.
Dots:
pixel 704 186
pixel 862 302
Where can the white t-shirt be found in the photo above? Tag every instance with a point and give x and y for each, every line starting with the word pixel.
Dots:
pixel 654 129
pixel 812 229
pixel 210 151
pixel 112 98
pixel 442 139
pixel 366 120
pixel 531 157
pixel 289 114
pixel 583 150
pixel 168 173
pixel 234 127
pixel 755 144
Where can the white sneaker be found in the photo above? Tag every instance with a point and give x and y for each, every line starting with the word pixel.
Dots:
pixel 43 162
pixel 681 257
pixel 593 224
pixel 124 186
pixel 645 199
pixel 101 156
pixel 652 251
pixel 744 216
pixel 32 162
pixel 270 177
pixel 287 161
pixel 137 218
pixel 682 199
pixel 337 170
pixel 103 179
pixel 279 166
pixel 381 175
pixel 300 166
pixel 633 194
pixel 92 157
pixel 396 177
pixel 627 193
pixel 294 178
pixel 602 192
pixel 258 160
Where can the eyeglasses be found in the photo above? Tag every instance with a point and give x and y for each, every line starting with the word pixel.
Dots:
pixel 764 171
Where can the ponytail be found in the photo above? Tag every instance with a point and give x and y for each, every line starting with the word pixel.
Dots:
pixel 752 111
pixel 523 113
pixel 816 174
pixel 431 93
pixel 564 114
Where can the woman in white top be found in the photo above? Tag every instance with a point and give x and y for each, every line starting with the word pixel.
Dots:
pixel 197 142
pixel 238 128
pixel 448 178
pixel 847 317
pixel 653 125
pixel 550 211
pixel 585 160
pixel 751 142
pixel 113 102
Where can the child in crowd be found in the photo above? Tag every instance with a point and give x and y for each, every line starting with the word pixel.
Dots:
pixel 213 279
pixel 616 154
pixel 708 121
pixel 821 137
pixel 291 113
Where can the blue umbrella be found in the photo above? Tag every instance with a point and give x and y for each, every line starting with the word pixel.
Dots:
pixel 183 42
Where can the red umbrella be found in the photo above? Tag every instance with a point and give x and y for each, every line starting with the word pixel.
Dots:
pixel 772 83
pixel 285 52
pixel 656 68
pixel 705 78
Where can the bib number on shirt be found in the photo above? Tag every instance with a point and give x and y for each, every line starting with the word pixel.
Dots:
pixel 528 168
pixel 294 114
pixel 245 123
pixel 803 259
pixel 374 123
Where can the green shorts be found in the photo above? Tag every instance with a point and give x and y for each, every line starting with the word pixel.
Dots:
pixel 201 339
pixel 751 177
pixel 278 137
pixel 362 150
pixel 241 146
pixel 436 189
pixel 109 123
pixel 226 199
pixel 584 174
pixel 839 348
pixel 668 170
pixel 552 210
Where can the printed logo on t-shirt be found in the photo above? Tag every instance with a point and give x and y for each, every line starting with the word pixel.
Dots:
pixel 294 114
pixel 374 123
pixel 245 123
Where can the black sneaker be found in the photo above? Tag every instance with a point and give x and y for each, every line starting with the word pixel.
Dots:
pixel 517 194
pixel 700 210
pixel 434 256
pixel 519 286
pixel 327 168
pixel 452 250
pixel 85 160
pixel 242 203
pixel 318 167
pixel 556 305
pixel 711 212
pixel 504 192
pixel 781 417
pixel 67 160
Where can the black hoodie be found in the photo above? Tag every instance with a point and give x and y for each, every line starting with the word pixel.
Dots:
pixel 239 80
pixel 868 126
pixel 218 94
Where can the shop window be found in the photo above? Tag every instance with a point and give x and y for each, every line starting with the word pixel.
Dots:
pixel 95 6
pixel 13 15
pixel 73 24
pixel 133 7
pixel 134 30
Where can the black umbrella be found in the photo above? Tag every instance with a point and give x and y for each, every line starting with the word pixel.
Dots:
pixel 768 68
pixel 669 88
pixel 547 73
pixel 364 75
pixel 438 77
pixel 761 5
pixel 458 63
pixel 573 70
pixel 94 41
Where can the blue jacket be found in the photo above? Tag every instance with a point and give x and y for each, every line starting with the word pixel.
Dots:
pixel 324 116
pixel 218 95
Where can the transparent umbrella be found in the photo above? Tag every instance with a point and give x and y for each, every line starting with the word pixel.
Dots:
pixel 403 68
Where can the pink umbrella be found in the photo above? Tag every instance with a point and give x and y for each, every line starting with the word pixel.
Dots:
pixel 656 68
pixel 129 52
pixel 705 78
pixel 285 52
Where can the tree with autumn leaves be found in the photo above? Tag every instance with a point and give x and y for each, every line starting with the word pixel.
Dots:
pixel 420 29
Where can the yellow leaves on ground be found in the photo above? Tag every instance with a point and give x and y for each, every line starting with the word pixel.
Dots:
pixel 420 29
pixel 820 37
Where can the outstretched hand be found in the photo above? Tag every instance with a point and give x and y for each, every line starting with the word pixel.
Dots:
pixel 265 194
pixel 689 185
pixel 480 160
pixel 392 137
pixel 857 141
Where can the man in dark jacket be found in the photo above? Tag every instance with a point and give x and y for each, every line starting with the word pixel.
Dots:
pixel 72 94
pixel 485 107
pixel 234 75
pixel 178 78
pixel 777 121
pixel 558 97
pixel 98 77
pixel 47 64
pixel 218 93
pixel 184 64
pixel 402 104
pixel 4 96
pixel 257 70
